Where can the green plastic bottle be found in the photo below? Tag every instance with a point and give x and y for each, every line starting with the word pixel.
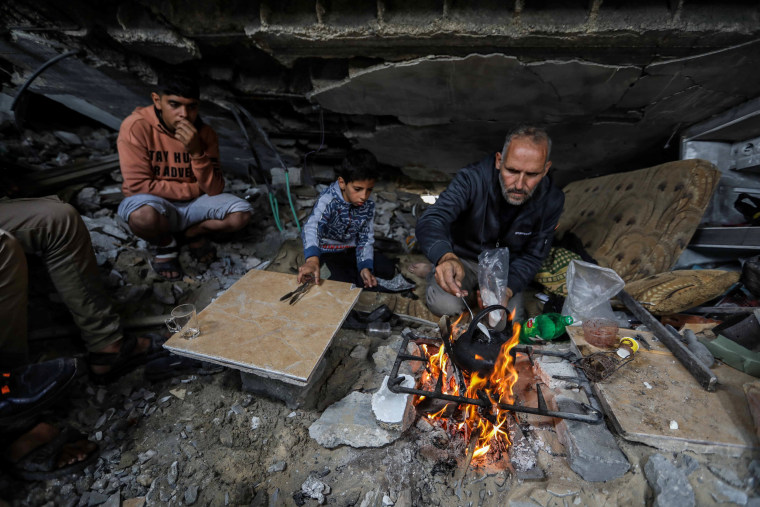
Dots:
pixel 547 326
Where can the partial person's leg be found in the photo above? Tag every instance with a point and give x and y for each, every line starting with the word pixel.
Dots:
pixel 14 292
pixel 441 302
pixel 383 267
pixel 211 214
pixel 153 219
pixel 342 266
pixel 54 230
pixel 217 214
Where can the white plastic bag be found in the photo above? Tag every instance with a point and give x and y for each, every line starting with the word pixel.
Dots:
pixel 493 274
pixel 589 289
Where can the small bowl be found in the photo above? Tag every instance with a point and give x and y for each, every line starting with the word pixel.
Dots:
pixel 601 333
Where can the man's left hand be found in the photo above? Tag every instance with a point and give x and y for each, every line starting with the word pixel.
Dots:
pixel 187 134
pixel 368 278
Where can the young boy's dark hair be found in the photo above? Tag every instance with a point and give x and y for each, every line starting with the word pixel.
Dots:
pixel 357 166
pixel 179 81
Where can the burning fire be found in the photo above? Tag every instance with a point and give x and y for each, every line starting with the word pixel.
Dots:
pixel 490 428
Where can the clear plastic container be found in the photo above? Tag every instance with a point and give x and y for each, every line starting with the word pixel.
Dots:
pixel 601 333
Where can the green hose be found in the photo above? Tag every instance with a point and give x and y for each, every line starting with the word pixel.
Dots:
pixel 290 200
pixel 275 210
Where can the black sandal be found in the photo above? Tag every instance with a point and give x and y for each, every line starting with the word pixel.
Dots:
pixel 164 260
pixel 122 362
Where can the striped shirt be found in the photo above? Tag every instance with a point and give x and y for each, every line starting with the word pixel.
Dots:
pixel 336 225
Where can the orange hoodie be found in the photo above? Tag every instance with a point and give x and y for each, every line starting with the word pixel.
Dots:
pixel 154 162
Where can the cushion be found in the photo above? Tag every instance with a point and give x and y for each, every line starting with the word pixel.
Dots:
pixel 552 273
pixel 639 222
pixel 680 290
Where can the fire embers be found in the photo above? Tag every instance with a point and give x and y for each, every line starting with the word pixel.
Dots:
pixel 489 378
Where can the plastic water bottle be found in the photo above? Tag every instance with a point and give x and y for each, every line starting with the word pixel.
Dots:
pixel 547 326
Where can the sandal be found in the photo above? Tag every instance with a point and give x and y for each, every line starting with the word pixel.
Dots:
pixel 26 391
pixel 123 361
pixel 40 463
pixel 164 260
pixel 205 252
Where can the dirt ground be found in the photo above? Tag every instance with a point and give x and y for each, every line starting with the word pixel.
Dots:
pixel 202 440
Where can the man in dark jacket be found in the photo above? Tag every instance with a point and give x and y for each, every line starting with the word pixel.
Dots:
pixel 505 200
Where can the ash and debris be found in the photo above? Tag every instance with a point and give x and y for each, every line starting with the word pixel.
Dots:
pixel 202 440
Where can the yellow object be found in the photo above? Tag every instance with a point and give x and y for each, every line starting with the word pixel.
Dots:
pixel 627 340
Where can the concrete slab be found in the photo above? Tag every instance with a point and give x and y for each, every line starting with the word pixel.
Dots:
pixel 250 329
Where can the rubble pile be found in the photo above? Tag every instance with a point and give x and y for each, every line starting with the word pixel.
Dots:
pixel 58 148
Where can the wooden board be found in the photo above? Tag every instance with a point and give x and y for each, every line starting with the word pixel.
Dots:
pixel 250 329
pixel 716 422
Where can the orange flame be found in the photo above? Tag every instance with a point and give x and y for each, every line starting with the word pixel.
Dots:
pixel 497 386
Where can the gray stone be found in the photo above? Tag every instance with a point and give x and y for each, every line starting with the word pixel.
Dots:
pixel 277 467
pixel 670 485
pixel 726 474
pixel 384 358
pixel 68 137
pixel 88 199
pixel 394 411
pixel 191 495
pixel 145 456
pixel 592 451
pixel 113 501
pixel 686 463
pixel 727 494
pixel 163 292
pixel 351 422
pixel 96 498
pixel 316 489
pixel 171 477
pixel 359 352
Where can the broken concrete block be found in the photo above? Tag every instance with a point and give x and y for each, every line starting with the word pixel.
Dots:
pixel 294 395
pixel 670 485
pixel 547 367
pixel 351 422
pixel 394 411
pixel 591 449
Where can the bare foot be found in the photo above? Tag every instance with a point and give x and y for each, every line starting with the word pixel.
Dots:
pixel 421 269
pixel 169 274
pixel 45 433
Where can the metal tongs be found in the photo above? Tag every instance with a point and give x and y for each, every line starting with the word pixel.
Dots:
pixel 300 291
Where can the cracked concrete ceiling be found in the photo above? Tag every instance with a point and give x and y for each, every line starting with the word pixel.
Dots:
pixel 427 86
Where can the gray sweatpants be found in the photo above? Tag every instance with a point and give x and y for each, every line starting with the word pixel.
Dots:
pixel 53 230
pixel 441 302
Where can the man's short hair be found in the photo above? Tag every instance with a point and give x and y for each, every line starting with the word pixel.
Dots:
pixel 537 135
pixel 358 165
pixel 179 81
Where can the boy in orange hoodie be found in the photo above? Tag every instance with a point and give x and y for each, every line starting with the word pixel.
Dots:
pixel 172 179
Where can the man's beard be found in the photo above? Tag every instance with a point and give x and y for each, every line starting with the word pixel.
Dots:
pixel 525 195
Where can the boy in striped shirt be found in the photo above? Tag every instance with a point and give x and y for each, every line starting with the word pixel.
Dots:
pixel 340 233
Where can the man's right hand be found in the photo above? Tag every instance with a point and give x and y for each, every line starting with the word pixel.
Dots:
pixel 449 274
pixel 188 135
pixel 309 268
